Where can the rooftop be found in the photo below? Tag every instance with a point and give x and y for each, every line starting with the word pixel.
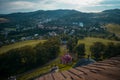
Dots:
pixel 102 70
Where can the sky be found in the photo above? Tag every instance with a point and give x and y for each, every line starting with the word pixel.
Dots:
pixel 12 6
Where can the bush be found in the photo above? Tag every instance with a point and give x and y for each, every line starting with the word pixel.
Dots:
pixel 97 50
pixel 112 50
pixel 80 50
pixel 17 60
pixel 22 59
pixel 100 51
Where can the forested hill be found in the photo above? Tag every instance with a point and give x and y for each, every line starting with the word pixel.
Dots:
pixel 37 16
pixel 104 17
pixel 60 18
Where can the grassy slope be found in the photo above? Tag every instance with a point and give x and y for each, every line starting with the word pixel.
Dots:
pixel 40 70
pixel 45 68
pixel 19 44
pixel 114 28
pixel 89 41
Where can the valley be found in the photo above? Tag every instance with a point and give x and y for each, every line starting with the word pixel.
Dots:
pixel 32 43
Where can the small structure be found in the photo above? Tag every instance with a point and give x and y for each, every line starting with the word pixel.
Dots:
pixel 12 78
pixel 55 68
pixel 23 38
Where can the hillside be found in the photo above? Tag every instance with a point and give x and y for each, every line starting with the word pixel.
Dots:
pixel 33 18
pixel 44 69
pixel 19 44
pixel 114 28
pixel 89 19
pixel 61 17
pixel 3 20
pixel 55 22
pixel 88 41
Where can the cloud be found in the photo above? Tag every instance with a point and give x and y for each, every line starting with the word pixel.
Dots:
pixel 81 2
pixel 8 6
pixel 21 5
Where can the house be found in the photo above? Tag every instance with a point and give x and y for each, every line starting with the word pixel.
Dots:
pixel 23 38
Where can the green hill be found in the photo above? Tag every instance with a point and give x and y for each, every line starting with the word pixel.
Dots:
pixel 89 41
pixel 19 44
pixel 114 28
pixel 41 70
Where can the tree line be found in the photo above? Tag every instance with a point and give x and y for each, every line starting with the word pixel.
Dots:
pixel 25 58
pixel 99 50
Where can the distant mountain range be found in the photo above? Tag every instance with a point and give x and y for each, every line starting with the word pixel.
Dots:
pixel 59 18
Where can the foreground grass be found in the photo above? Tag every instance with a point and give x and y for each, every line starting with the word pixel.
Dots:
pixel 6 48
pixel 88 41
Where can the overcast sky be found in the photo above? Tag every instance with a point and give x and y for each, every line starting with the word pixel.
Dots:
pixel 11 6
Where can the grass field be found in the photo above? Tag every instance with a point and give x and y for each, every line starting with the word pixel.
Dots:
pixel 19 44
pixel 114 28
pixel 89 41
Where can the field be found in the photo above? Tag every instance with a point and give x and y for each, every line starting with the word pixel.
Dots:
pixel 114 28
pixel 89 41
pixel 19 44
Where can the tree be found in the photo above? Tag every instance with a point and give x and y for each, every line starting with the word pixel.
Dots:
pixel 72 42
pixel 80 49
pixel 97 50
pixel 28 56
pixel 17 60
pixel 112 50
pixel 25 58
pixel 48 50
pixel 117 49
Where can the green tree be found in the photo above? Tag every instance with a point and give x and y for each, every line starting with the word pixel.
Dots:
pixel 28 56
pixel 117 49
pixel 80 49
pixel 112 50
pixel 25 58
pixel 17 60
pixel 97 50
pixel 72 42
pixel 47 50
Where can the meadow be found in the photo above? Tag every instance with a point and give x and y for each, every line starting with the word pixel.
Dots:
pixel 6 48
pixel 88 41
pixel 114 28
